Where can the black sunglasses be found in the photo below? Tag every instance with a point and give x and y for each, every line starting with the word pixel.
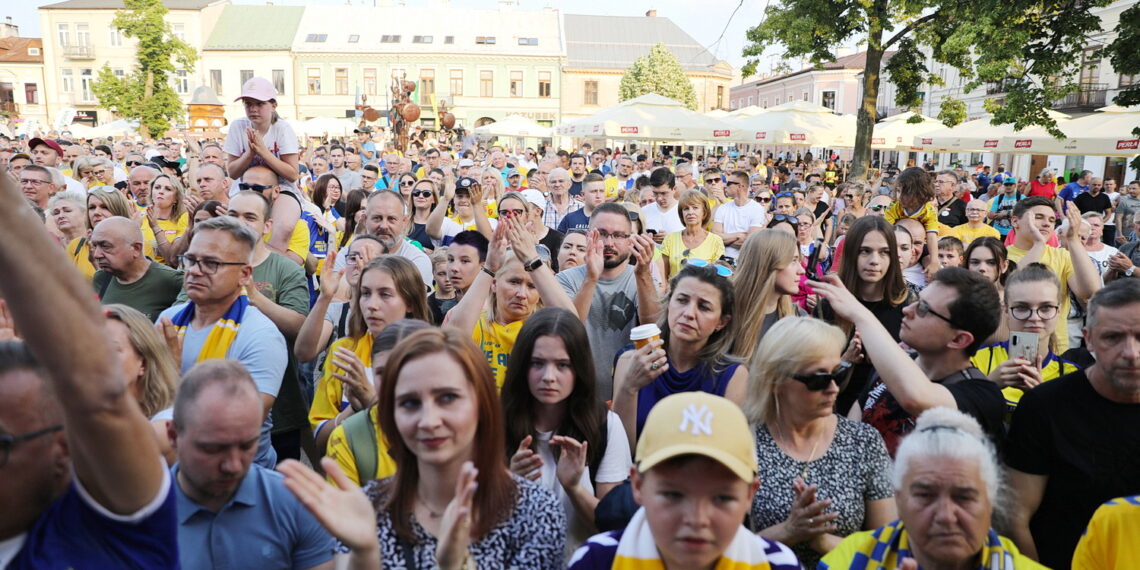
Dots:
pixel 821 380
pixel 764 200
pixel 254 187
pixel 421 193
pixel 133 163
pixel 408 183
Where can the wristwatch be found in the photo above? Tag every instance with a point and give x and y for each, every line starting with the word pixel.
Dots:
pixel 533 264
pixel 1128 272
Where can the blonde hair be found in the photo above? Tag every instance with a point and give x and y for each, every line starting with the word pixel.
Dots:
pixel 160 376
pixel 178 208
pixel 791 344
pixel 762 256
pixel 695 197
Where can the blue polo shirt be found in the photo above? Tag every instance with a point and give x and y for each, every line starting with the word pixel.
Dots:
pixel 77 532
pixel 262 526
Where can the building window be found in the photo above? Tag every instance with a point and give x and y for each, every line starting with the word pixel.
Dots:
pixel 516 84
pixel 114 37
pixel 591 95
pixel 181 82
pixel 485 40
pixel 279 81
pixel 777 100
pixel 82 35
pixel 179 31
pixel 456 82
pixel 805 97
pixel 390 39
pixel 448 39
pixel 316 38
pixel 67 83
pixel 544 84
pixel 354 38
pixel 64 34
pixel 31 94
pixel 749 99
pixel 1129 80
pixel 528 41
pixel 340 74
pixel 720 96
pixel 827 99
pixel 246 75
pixel 33 51
pixel 427 84
pixel 370 81
pixel 119 73
pixel 85 79
pixel 486 84
pixel 764 105
pixel 314 80
pixel 422 39
pixel 216 81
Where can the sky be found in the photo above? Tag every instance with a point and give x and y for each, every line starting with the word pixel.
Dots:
pixel 704 20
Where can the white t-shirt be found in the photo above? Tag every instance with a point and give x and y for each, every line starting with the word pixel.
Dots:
pixel 665 222
pixel 281 140
pixel 736 219
pixel 1100 260
pixel 614 468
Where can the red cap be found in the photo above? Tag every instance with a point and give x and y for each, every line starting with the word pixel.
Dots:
pixel 32 144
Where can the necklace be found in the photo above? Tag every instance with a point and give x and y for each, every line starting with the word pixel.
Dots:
pixel 811 456
pixel 431 513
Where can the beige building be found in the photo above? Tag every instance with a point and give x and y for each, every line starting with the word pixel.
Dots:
pixel 600 48
pixel 79 39
pixel 21 79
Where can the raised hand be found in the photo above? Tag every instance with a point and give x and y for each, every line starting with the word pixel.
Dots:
pixel 525 462
pixel 807 518
pixel 572 461
pixel 643 248
pixel 455 527
pixel 173 340
pixel 595 258
pixel 649 362
pixel 330 278
pixel 344 510
pixel 357 389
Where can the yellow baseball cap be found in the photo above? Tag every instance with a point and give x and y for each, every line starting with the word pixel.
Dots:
pixel 702 424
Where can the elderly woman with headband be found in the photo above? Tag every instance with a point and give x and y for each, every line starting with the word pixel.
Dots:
pixel 947 484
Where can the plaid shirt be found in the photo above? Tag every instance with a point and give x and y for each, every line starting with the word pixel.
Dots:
pixel 552 217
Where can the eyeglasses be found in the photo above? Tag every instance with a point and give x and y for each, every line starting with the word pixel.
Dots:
pixel 509 213
pixel 208 266
pixel 1024 313
pixel 355 258
pixel 821 380
pixel 421 193
pixel 720 269
pixel 633 216
pixel 730 183
pixel 8 441
pixel 408 183
pixel 34 182
pixel 922 308
pixel 133 163
pixel 877 207
pixel 616 236
pixel 764 199
pixel 254 187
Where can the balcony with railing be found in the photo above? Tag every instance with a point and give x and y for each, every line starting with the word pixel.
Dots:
pixel 78 52
pixel 1087 97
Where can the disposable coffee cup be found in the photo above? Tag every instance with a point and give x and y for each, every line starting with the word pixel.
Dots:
pixel 644 334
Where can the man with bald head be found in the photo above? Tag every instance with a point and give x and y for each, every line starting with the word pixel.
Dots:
pixel 125 275
pixel 212 182
pixel 138 181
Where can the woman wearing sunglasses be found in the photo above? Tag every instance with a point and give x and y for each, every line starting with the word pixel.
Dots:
pixel 423 200
pixel 692 354
pixel 825 476
pixel 406 182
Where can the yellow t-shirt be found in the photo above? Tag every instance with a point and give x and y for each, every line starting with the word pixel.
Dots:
pixel 673 246
pixel 173 230
pixel 328 398
pixel 967 234
pixel 990 357
pixel 1110 541
pixel 926 215
pixel 299 241
pixel 81 256
pixel 1059 262
pixel 341 452
pixel 496 341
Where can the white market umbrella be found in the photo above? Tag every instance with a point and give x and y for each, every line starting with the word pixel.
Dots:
pixel 749 111
pixel 514 126
pixel 797 123
pixel 81 131
pixel 895 133
pixel 978 135
pixel 649 117
pixel 327 126
pixel 1107 132
pixel 716 113
pixel 119 128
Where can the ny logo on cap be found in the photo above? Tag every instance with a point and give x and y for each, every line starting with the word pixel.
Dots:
pixel 699 418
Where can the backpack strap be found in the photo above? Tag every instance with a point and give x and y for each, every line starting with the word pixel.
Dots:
pixel 360 435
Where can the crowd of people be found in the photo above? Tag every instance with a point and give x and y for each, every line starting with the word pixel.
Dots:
pixel 269 352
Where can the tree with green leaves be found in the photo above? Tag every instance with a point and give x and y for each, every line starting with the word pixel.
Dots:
pixel 658 72
pixel 146 94
pixel 1032 48
pixel 1124 54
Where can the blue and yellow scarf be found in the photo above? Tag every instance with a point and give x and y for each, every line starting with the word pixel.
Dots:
pixel 885 547
pixel 222 334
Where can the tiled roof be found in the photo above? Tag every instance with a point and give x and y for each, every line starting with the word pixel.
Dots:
pixel 15 50
pixel 275 29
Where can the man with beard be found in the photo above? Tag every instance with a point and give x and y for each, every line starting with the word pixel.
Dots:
pixel 614 294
